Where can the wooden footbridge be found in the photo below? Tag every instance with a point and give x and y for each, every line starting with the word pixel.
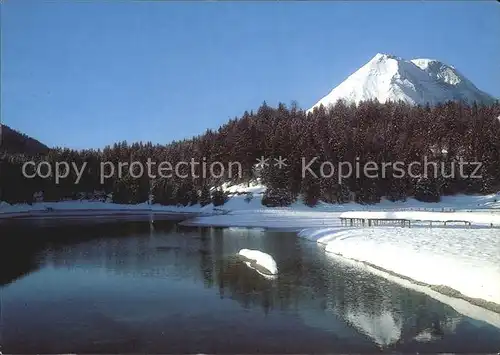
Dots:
pixel 410 218
pixel 402 222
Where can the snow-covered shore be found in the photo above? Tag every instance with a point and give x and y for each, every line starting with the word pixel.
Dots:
pixel 90 208
pixel 252 213
pixel 445 259
pixel 462 306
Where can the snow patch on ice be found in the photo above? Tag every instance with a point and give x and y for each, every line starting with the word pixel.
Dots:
pixel 260 258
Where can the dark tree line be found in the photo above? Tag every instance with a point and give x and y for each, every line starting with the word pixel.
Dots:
pixel 358 134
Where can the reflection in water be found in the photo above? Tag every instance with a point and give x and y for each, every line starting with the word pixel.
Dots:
pixel 137 286
pixel 12 268
pixel 245 285
pixel 387 313
pixel 365 304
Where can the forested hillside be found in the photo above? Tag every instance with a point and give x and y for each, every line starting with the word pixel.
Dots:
pixel 12 141
pixel 370 131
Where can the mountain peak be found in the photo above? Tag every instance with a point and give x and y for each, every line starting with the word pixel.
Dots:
pixel 384 56
pixel 426 62
pixel 420 81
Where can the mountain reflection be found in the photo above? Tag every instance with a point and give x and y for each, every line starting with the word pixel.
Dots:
pixel 386 312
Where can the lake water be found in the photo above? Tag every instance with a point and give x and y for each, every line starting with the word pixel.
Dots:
pixel 129 287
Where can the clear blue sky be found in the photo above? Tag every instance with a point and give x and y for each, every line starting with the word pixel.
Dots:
pixel 87 74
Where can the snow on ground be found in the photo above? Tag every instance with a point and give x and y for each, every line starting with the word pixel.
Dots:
pixel 466 260
pixel 460 305
pixel 253 187
pixel 269 218
pixel 447 203
pixel 86 208
pixel 261 259
pixel 242 212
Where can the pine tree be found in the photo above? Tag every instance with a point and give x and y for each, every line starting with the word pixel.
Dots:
pixel 219 197
pixel 311 191
pixel 205 198
pixel 277 197
pixel 426 190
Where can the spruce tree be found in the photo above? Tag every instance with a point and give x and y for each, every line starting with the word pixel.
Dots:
pixel 205 198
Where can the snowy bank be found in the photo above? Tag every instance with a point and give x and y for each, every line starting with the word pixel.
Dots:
pixel 269 218
pixel 262 262
pixel 460 305
pixel 243 212
pixel 447 260
pixel 95 208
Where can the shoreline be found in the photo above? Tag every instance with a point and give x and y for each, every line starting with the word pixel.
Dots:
pixel 456 276
pixel 86 208
pixel 441 289
pixel 479 309
pixel 89 212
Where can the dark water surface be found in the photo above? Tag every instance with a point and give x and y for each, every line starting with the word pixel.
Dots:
pixel 129 287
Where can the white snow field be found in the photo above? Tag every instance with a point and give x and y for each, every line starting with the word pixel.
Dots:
pixel 465 260
pixel 418 82
pixel 260 258
pixel 240 212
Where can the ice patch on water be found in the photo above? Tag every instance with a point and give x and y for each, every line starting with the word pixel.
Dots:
pixel 261 259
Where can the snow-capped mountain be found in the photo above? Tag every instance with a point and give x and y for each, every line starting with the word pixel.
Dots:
pixel 417 81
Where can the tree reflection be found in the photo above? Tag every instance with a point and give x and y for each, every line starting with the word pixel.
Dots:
pixel 17 257
pixel 245 285
pixel 206 260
